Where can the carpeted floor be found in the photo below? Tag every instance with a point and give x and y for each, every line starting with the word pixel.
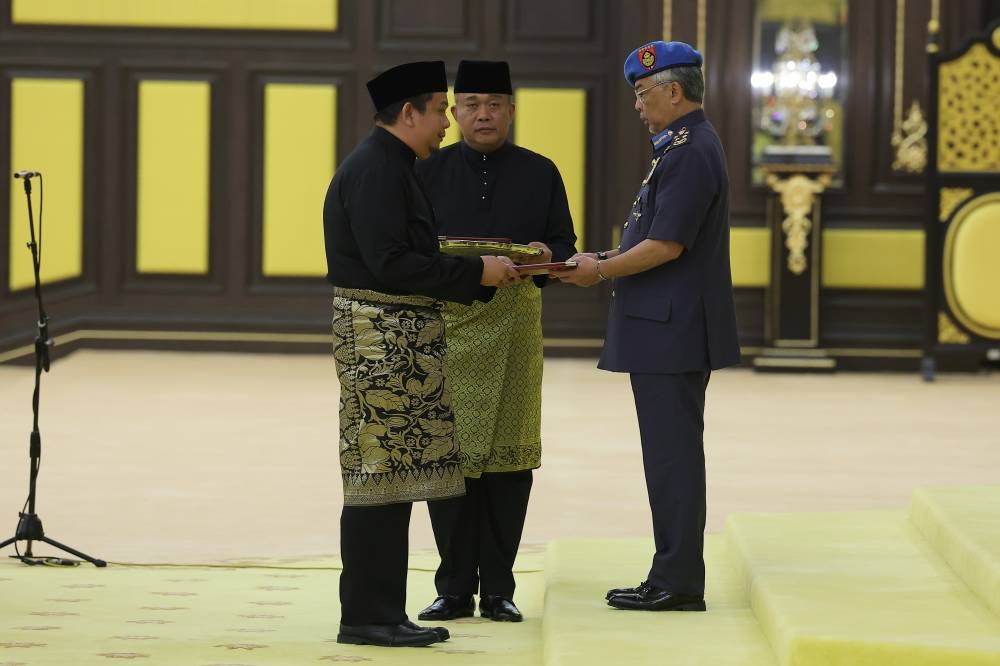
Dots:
pixel 231 460
pixel 188 457
pixel 280 613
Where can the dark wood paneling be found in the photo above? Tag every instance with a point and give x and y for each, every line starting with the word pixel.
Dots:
pixel 445 25
pixel 578 43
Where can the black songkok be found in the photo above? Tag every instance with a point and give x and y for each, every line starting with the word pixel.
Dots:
pixel 407 80
pixel 483 76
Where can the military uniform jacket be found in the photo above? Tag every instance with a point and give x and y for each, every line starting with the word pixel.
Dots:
pixel 679 316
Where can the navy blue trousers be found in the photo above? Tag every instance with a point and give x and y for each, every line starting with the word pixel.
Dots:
pixel 671 411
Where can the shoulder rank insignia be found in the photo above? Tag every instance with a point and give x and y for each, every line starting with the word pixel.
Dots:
pixel 680 139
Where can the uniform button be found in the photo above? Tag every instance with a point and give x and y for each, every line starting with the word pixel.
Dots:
pixel 612 293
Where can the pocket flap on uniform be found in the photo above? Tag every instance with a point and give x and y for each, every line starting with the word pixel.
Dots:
pixel 657 310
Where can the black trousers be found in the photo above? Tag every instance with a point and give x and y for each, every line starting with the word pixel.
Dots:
pixel 374 545
pixel 671 411
pixel 478 535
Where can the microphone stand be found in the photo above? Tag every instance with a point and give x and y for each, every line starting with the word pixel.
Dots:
pixel 29 527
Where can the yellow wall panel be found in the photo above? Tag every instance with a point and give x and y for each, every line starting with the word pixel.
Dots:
pixel 553 122
pixel 750 253
pixel 238 14
pixel 873 259
pixel 47 136
pixel 172 217
pixel 299 159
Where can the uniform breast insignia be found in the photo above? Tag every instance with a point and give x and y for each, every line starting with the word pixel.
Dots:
pixel 650 174
pixel 636 212
pixel 680 139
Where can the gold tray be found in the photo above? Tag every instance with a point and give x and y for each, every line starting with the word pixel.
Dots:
pixel 475 248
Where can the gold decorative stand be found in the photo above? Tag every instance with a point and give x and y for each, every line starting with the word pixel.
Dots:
pixel 791 322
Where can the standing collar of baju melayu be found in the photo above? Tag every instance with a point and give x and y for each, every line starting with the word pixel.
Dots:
pixel 663 139
pixel 474 157
pixel 395 145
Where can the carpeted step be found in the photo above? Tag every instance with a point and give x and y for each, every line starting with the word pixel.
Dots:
pixel 962 523
pixel 859 588
pixel 580 629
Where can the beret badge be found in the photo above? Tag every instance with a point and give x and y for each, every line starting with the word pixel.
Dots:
pixel 647 57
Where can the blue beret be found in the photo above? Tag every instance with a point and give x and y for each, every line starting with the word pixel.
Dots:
pixel 656 56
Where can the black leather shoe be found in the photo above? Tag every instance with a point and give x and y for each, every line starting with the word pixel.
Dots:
pixel 448 607
pixel 499 609
pixel 627 590
pixel 442 633
pixel 654 599
pixel 387 635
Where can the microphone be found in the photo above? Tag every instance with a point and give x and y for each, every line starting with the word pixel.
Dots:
pixel 26 174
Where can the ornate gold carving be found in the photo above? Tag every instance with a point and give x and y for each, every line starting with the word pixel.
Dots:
pixel 968 124
pixel 951 197
pixel 909 135
pixel 910 141
pixel 949 333
pixel 798 193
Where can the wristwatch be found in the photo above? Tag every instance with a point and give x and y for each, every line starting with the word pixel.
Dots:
pixel 602 256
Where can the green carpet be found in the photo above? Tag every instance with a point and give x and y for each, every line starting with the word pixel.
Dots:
pixel 240 616
pixel 865 588
pixel 859 588
pixel 963 525
pixel 581 629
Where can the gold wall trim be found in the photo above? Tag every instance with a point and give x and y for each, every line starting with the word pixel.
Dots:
pixel 949 275
pixel 951 197
pixel 232 14
pixel 909 135
pixel 949 333
pixel 934 27
pixel 323 338
pixel 223 336
pixel 668 19
pixel 798 196
pixel 46 135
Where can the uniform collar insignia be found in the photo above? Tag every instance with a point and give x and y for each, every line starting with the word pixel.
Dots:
pixel 662 139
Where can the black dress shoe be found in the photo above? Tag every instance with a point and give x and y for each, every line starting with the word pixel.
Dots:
pixel 442 633
pixel 448 607
pixel 654 599
pixel 499 609
pixel 627 590
pixel 387 635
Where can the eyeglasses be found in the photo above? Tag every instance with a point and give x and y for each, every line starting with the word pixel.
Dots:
pixel 641 94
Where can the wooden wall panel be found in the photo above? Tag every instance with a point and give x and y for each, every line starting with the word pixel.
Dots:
pixel 561 44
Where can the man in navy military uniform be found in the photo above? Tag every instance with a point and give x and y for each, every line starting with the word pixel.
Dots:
pixel 672 319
